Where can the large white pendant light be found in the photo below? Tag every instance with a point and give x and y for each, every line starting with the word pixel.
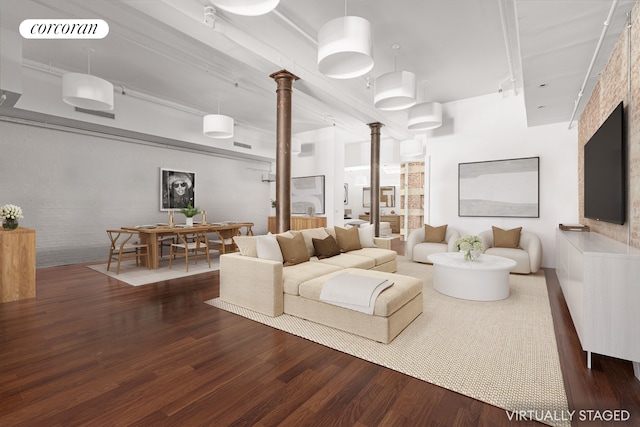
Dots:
pixel 345 47
pixel 425 116
pixel 87 91
pixel 246 7
pixel 410 148
pixel 217 125
pixel 395 91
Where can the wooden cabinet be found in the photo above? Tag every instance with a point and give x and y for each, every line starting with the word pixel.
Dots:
pixel 599 281
pixel 17 264
pixel 300 222
pixel 393 220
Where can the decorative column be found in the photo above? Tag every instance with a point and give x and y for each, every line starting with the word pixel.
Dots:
pixel 284 80
pixel 374 218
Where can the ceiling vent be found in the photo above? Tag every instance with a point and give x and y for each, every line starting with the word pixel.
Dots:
pixel 241 145
pixel 96 113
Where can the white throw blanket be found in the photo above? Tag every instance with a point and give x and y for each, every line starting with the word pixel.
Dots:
pixel 354 292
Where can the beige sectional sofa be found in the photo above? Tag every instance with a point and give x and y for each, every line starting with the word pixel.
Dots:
pixel 271 287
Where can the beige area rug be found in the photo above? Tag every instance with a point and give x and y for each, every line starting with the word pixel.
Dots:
pixel 503 353
pixel 136 275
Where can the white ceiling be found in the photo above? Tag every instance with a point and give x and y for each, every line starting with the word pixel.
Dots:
pixel 457 48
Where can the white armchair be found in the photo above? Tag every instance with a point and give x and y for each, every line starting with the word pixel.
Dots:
pixel 418 250
pixel 527 258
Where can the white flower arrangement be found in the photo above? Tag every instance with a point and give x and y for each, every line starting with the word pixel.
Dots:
pixel 469 244
pixel 11 212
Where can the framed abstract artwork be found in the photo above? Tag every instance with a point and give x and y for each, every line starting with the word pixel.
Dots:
pixel 307 195
pixel 387 197
pixel 177 189
pixel 500 188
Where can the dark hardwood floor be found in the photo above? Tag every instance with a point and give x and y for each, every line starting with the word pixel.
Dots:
pixel 91 350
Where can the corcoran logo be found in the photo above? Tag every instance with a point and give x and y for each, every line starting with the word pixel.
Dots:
pixel 64 29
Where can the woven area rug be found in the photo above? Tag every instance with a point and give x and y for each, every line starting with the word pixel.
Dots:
pixel 503 353
pixel 136 275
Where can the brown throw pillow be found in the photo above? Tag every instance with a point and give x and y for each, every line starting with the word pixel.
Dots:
pixel 434 234
pixel 294 250
pixel 348 239
pixel 326 248
pixel 506 238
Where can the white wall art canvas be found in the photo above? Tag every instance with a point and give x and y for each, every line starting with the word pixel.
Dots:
pixel 499 188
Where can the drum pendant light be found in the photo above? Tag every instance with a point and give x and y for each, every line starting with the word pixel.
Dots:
pixel 87 91
pixel 345 47
pixel 425 116
pixel 410 148
pixel 217 125
pixel 247 7
pixel 395 91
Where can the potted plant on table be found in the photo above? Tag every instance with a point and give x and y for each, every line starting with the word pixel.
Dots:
pixel 10 214
pixel 190 212
pixel 471 246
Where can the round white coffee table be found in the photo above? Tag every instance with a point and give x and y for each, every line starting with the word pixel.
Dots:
pixel 485 279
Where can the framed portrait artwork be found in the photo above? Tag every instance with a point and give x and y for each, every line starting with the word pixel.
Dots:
pixel 177 189
pixel 504 188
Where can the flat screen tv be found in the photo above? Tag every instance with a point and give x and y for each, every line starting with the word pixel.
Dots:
pixel 605 167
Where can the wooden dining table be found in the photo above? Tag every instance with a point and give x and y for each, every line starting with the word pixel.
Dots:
pixel 150 234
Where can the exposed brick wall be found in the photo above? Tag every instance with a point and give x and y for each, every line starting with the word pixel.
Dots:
pixel 612 87
pixel 414 195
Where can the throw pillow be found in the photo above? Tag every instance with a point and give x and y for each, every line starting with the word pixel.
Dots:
pixel 267 248
pixel 435 234
pixel 247 245
pixel 366 234
pixel 348 239
pixel 309 234
pixel 294 250
pixel 326 248
pixel 506 238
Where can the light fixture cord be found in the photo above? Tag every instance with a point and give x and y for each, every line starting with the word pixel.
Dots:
pixel 345 7
pixel 89 51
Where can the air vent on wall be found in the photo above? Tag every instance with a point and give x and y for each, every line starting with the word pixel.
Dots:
pixel 268 177
pixel 96 113
pixel 241 145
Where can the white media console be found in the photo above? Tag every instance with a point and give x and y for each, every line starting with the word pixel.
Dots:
pixel 600 281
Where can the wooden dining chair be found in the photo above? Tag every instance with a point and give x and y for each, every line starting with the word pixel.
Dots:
pixel 223 241
pixel 123 247
pixel 165 241
pixel 190 244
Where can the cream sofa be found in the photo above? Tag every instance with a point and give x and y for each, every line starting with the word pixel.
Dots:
pixel 269 287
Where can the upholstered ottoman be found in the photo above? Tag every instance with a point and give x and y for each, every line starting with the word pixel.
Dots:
pixel 395 308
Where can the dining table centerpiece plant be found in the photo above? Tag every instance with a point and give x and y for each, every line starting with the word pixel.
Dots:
pixel 190 212
pixel 471 246
pixel 10 215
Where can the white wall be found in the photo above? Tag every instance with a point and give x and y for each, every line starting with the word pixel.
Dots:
pixel 358 165
pixel 323 154
pixel 493 127
pixel 73 186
